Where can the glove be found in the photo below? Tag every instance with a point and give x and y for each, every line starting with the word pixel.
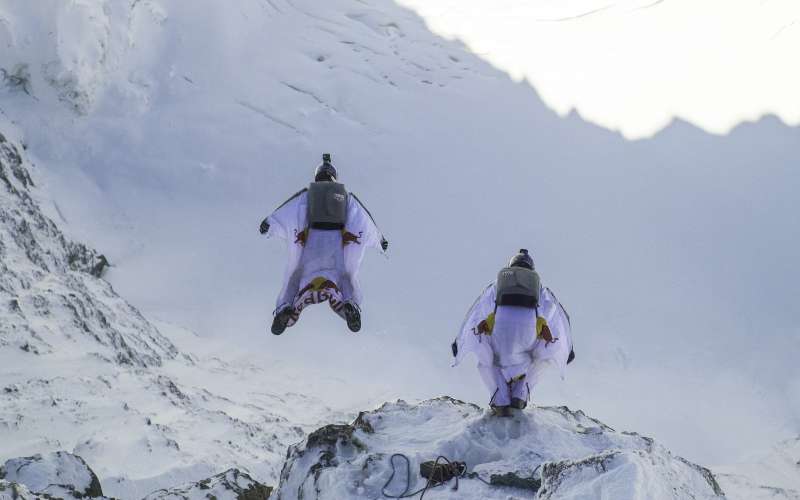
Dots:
pixel 384 244
pixel 264 227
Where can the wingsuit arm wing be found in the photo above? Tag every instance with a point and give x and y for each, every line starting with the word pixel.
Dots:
pixel 283 220
pixel 469 338
pixel 558 321
pixel 360 216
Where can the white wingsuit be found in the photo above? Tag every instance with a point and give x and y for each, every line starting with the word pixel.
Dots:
pixel 508 342
pixel 323 264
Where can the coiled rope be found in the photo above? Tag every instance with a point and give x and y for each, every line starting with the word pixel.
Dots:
pixel 457 470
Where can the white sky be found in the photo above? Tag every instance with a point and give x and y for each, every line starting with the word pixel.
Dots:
pixel 633 65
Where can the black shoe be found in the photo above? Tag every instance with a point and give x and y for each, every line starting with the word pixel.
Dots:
pixel 502 411
pixel 353 317
pixel 519 404
pixel 281 320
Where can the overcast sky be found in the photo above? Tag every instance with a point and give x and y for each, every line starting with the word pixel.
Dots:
pixel 633 65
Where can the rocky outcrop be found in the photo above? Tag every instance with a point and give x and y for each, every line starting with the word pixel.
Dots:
pixel 54 475
pixel 64 476
pixel 547 452
pixel 50 291
pixel 232 484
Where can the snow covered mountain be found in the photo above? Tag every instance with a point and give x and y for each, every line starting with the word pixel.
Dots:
pixel 163 131
pixel 54 301
pixel 547 452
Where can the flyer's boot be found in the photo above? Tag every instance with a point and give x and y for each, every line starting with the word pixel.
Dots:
pixel 281 320
pixel 502 411
pixel 353 317
pixel 520 393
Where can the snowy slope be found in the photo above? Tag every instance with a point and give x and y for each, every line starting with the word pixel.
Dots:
pixel 166 130
pixel 571 455
pixel 53 299
pixel 772 475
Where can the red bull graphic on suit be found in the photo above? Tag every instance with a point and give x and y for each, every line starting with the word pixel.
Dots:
pixel 318 291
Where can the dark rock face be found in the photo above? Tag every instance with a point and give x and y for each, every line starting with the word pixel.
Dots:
pixel 231 483
pixel 707 475
pixel 64 476
pixel 512 480
pixel 554 473
pixel 322 449
pixel 55 475
pixel 46 276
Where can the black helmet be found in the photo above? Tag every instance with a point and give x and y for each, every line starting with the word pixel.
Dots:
pixel 522 259
pixel 326 171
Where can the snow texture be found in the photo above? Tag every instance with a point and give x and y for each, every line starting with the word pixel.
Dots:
pixel 571 455
pixel 769 476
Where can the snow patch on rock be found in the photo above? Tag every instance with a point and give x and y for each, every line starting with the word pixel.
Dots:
pixel 232 484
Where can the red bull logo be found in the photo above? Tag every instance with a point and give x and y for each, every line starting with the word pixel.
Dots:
pixel 300 238
pixel 485 327
pixel 482 328
pixel 348 237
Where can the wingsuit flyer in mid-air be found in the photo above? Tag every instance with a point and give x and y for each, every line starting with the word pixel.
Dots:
pixel 327 230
